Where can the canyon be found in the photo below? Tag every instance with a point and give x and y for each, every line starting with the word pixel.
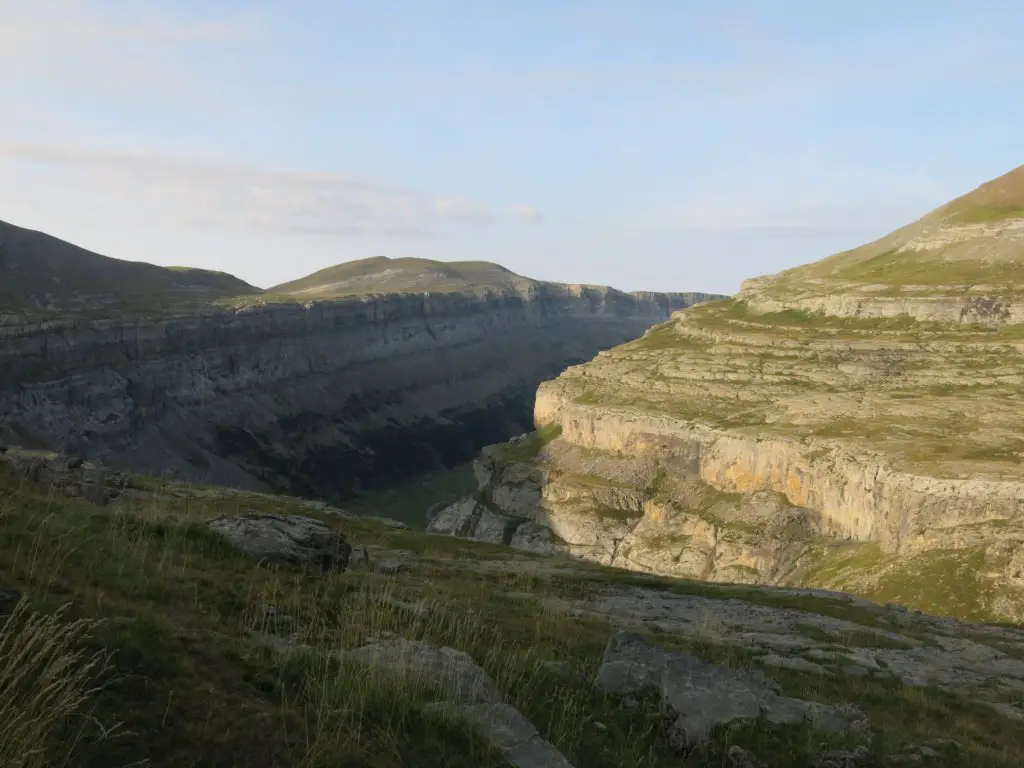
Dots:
pixel 361 376
pixel 854 424
pixel 659 573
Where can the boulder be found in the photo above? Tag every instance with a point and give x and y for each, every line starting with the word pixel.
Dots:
pixel 290 539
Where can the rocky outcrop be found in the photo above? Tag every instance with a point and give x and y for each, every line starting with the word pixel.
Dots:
pixel 800 434
pixel 66 476
pixel 315 398
pixel 291 539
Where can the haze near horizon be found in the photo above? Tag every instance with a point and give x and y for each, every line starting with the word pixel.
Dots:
pixel 648 145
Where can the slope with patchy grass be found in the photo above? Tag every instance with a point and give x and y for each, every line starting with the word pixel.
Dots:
pixel 190 675
pixel 960 263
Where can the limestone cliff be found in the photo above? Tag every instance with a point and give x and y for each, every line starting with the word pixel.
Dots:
pixel 318 397
pixel 754 440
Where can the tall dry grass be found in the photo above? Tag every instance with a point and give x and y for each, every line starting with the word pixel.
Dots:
pixel 47 677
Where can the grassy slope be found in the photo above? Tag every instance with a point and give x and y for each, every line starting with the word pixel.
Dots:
pixel 190 688
pixel 383 275
pixel 36 268
pixel 974 259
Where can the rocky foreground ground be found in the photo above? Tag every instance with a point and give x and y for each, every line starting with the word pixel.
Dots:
pixel 247 629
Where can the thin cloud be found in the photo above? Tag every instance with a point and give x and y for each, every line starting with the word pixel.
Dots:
pixel 526 213
pixel 52 25
pixel 204 193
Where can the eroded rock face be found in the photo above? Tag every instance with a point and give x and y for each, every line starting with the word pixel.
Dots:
pixel 854 423
pixel 318 399
pixel 601 507
pixel 290 539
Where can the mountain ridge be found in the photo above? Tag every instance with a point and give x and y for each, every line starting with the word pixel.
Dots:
pixel 40 271
pixel 959 263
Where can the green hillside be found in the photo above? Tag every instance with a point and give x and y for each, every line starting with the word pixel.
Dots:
pixel 976 239
pixel 41 272
pixel 381 274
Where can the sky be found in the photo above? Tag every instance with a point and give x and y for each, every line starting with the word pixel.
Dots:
pixel 644 144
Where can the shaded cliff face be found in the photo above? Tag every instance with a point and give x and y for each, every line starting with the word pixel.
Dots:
pixel 741 441
pixel 318 398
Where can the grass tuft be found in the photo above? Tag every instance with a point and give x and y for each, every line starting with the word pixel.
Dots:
pixel 47 677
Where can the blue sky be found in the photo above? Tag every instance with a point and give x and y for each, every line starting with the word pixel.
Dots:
pixel 646 144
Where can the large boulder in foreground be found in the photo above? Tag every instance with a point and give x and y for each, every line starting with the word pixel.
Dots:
pixel 292 539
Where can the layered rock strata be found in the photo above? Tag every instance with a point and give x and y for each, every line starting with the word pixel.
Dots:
pixel 753 440
pixel 318 398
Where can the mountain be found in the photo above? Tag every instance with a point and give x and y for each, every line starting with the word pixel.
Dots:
pixel 961 263
pixel 854 424
pixel 358 376
pixel 383 275
pixel 41 272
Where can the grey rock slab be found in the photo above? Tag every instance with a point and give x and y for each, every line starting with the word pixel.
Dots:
pixel 794 663
pixel 451 671
pixel 704 695
pixel 508 730
pixel 822 655
pixel 285 538
pixel 493 527
pixel 455 519
pixel 961 665
pixel 384 561
pixel 534 537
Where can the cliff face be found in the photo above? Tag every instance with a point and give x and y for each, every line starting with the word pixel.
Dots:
pixel 768 439
pixel 314 397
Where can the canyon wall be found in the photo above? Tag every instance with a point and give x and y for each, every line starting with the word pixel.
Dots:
pixel 877 457
pixel 316 398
